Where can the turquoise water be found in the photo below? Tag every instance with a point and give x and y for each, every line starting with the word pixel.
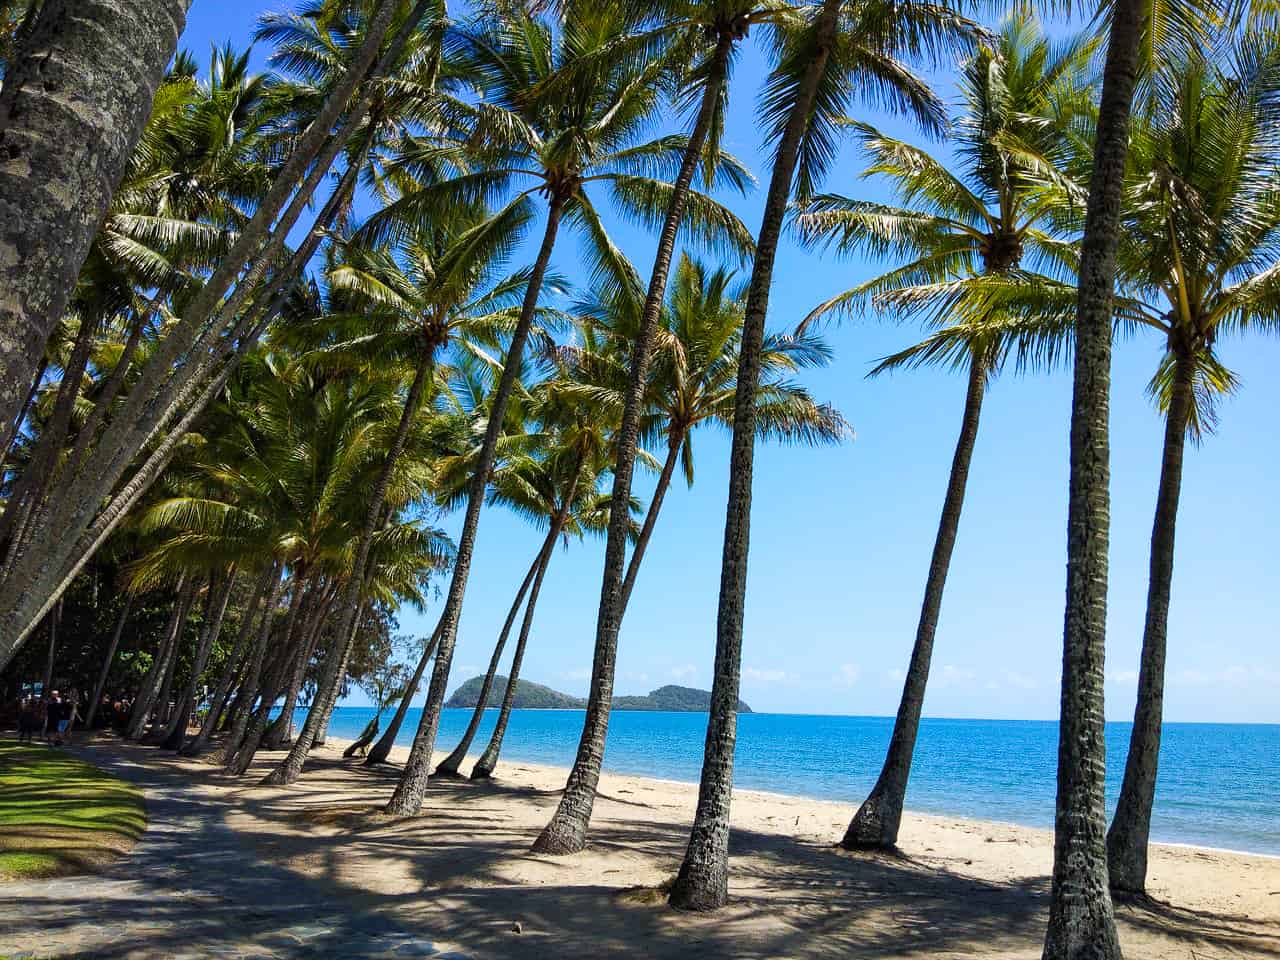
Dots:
pixel 1219 783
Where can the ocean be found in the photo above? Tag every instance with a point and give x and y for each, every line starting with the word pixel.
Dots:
pixel 1219 784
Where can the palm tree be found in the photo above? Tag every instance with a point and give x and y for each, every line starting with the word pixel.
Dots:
pixel 1197 258
pixel 555 140
pixel 843 49
pixel 1081 916
pixel 960 227
pixel 187 369
pixel 447 293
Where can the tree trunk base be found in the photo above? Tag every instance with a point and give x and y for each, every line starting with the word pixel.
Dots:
pixel 698 894
pixel 449 771
pixel 560 839
pixel 481 773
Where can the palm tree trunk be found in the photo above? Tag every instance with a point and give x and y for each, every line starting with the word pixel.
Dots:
pixel 567 831
pixel 160 707
pixel 11 433
pixel 218 704
pixel 46 680
pixel 651 519
pixel 72 108
pixel 253 680
pixel 150 689
pixel 107 661
pixel 312 621
pixel 875 825
pixel 449 766
pixel 484 767
pixel 703 880
pixel 270 690
pixel 1081 916
pixel 327 690
pixel 1131 825
pixel 382 749
pixel 177 731
pixel 409 792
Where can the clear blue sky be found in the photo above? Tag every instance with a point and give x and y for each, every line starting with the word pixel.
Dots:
pixel 841 536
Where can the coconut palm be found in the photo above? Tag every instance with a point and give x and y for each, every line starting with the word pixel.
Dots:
pixel 449 294
pixel 845 48
pixel 962 225
pixel 1197 258
pixel 560 140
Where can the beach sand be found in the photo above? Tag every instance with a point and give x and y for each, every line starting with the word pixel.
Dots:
pixel 462 873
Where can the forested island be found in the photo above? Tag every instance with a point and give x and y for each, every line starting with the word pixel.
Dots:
pixel 536 696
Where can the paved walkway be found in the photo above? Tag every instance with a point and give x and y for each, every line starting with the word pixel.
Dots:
pixel 191 888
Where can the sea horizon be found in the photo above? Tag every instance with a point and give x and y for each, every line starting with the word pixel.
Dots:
pixel 1214 783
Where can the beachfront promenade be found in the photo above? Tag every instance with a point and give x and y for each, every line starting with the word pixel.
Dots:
pixel 193 887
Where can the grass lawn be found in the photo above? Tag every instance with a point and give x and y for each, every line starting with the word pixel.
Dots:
pixel 60 816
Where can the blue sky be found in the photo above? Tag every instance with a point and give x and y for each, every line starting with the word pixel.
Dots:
pixel 841 536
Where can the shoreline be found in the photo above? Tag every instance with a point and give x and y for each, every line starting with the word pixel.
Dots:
pixel 559 773
pixel 400 753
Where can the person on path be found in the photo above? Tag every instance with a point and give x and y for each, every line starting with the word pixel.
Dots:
pixel 28 720
pixel 55 712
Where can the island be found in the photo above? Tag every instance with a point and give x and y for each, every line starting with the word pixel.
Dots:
pixel 536 696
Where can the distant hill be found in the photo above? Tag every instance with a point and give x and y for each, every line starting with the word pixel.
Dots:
pixel 529 696
pixel 535 696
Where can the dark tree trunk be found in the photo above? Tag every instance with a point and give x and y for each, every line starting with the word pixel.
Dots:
pixel 567 831
pixel 1081 917
pixel 160 707
pixel 450 765
pixel 382 749
pixel 217 705
pixel 875 825
pixel 101 685
pixel 650 519
pixel 16 426
pixel 703 880
pixel 72 108
pixel 212 627
pixel 410 791
pixel 282 728
pixel 270 690
pixel 1131 825
pixel 150 689
pixel 46 681
pixel 253 680
pixel 483 769
pixel 327 690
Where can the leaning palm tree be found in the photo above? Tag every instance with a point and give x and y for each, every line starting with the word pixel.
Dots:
pixel 1199 244
pixel 557 140
pixel 961 225
pixel 845 48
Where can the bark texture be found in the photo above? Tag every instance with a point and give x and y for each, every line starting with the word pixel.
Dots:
pixel 703 880
pixel 875 825
pixel 71 110
pixel 1131 825
pixel 567 830
pixel 212 627
pixel 410 791
pixel 1081 917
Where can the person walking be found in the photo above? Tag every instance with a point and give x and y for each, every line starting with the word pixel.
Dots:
pixel 55 712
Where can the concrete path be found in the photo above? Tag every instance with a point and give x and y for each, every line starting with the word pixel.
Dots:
pixel 191 888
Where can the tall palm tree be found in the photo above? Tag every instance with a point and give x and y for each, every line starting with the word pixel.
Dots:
pixel 962 224
pixel 556 140
pixel 450 293
pixel 1198 251
pixel 1081 916
pixel 845 48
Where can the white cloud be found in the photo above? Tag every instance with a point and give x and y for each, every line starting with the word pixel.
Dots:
pixel 581 674
pixel 848 675
pixel 953 676
pixel 683 672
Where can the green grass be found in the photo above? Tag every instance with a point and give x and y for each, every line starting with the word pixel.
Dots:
pixel 60 816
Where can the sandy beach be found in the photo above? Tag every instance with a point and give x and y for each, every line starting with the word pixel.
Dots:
pixel 462 871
